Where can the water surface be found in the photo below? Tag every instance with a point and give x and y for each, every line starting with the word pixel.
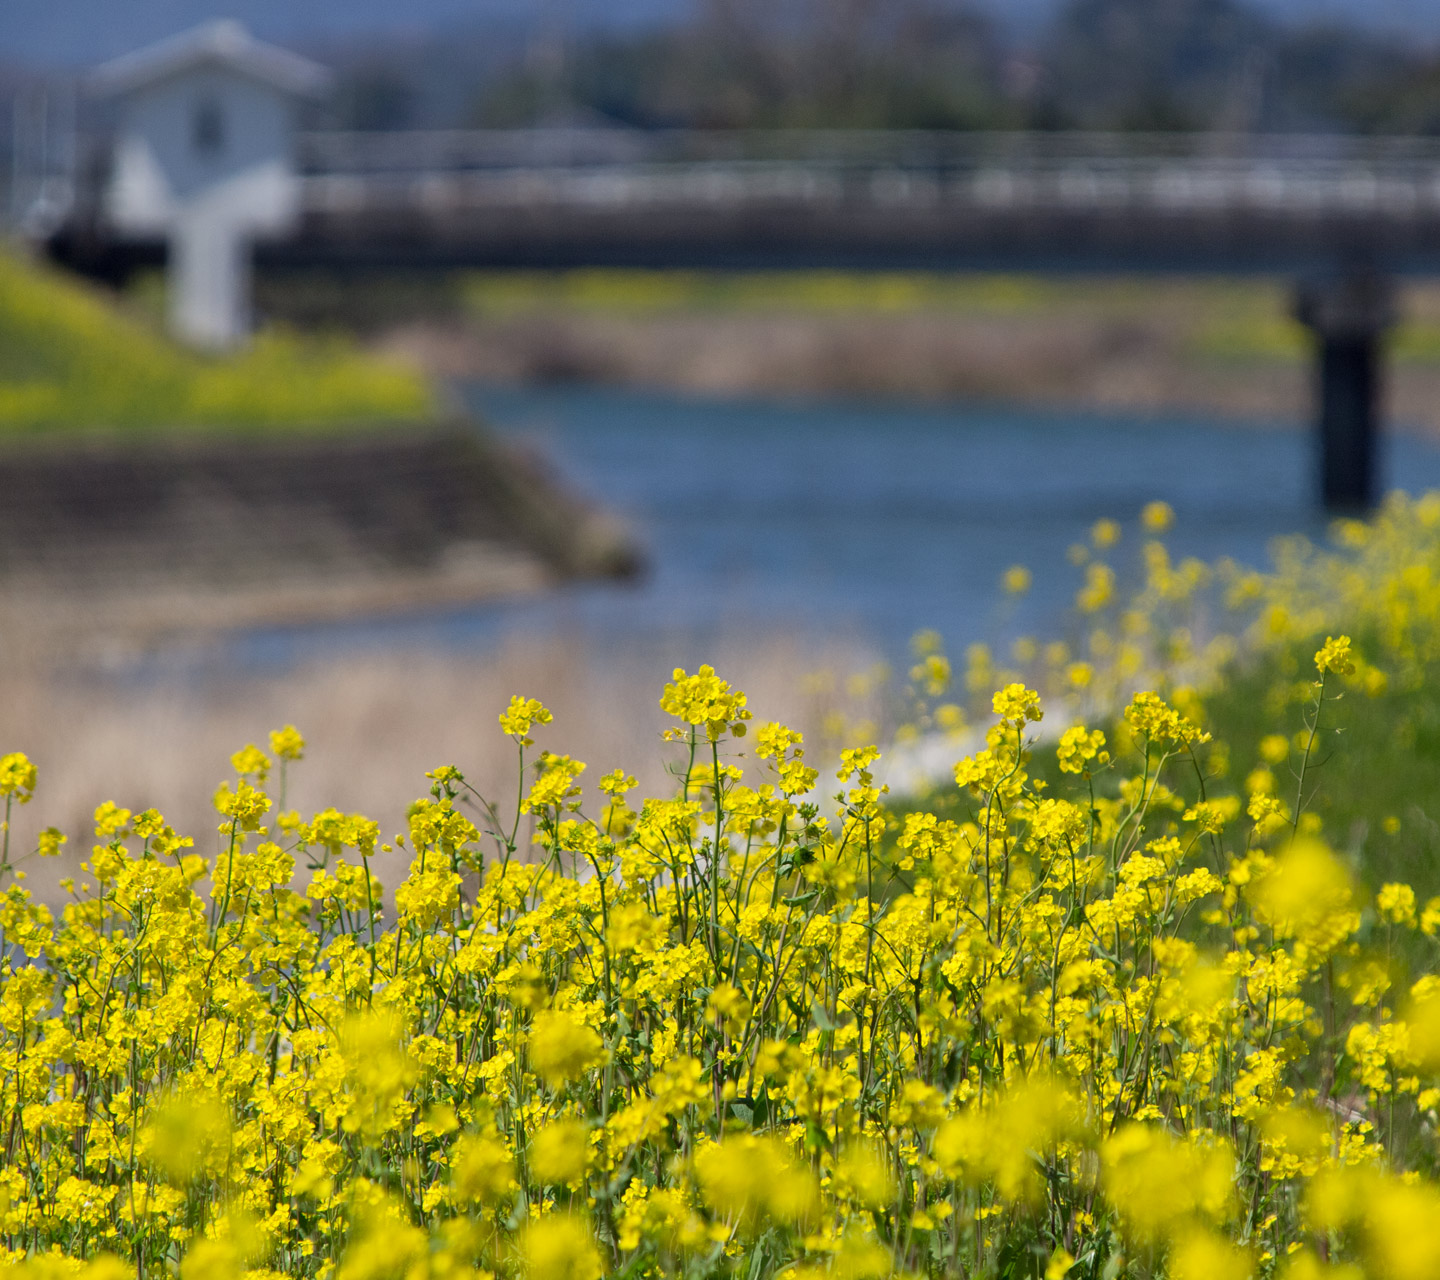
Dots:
pixel 866 520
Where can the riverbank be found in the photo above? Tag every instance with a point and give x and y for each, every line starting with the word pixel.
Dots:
pixel 1220 347
pixel 74 360
pixel 174 534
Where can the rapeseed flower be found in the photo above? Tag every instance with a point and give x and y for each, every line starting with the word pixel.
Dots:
pixel 560 1247
pixel 754 1180
pixel 17 777
pixel 705 699
pixel 560 1152
pixel 1113 997
pixel 561 1047
pixel 1016 580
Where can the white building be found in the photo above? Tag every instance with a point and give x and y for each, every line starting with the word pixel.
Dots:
pixel 204 156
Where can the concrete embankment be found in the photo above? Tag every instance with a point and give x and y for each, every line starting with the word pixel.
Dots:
pixel 201 532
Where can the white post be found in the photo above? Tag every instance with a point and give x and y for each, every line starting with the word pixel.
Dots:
pixel 209 279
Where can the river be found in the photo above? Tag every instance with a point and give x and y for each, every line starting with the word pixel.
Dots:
pixel 865 520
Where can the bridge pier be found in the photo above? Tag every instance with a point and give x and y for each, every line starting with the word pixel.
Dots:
pixel 1349 313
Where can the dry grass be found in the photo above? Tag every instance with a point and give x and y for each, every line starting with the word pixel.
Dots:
pixel 1228 348
pixel 373 724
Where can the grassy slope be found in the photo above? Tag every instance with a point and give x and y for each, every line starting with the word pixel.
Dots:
pixel 1373 775
pixel 1374 779
pixel 69 358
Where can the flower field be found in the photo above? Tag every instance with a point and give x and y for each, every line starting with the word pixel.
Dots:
pixel 1142 992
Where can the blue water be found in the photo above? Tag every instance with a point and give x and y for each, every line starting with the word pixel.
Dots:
pixel 865 520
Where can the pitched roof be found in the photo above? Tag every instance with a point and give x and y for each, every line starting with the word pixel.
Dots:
pixel 219 43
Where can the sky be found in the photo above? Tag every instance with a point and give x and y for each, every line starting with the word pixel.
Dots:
pixel 79 33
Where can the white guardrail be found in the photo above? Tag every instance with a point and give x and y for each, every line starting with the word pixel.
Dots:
pixel 1298 176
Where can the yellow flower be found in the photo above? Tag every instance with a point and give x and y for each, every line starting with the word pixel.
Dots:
pixel 949 717
pixel 1150 718
pixel 110 820
pixel 997 1143
pixel 1016 580
pixel 17 777
pixel 1274 747
pixel 1105 533
pixel 1161 1185
pixel 1395 904
pixel 1203 1255
pixel 188 1135
pixel 384 1247
pixel 1297 1140
pixel 1335 656
pixel 1212 815
pixel 1018 704
pixel 617 782
pixel 378 1069
pixel 481 1170
pixel 428 897
pixel 1059 1265
pixel 245 806
pixel 560 1247
pixel 521 715
pixel 1078 746
pixel 1157 516
pixel 560 1152
pixel 80 1201
pixel 1099 588
pixel 863 1175
pixel 250 761
pixel 705 699
pixel 562 1047
pixel 554 787
pixel 933 673
pixel 286 743
pixel 1401 1229
pixel 750 1178
pixel 1422 1025
pixel 1307 894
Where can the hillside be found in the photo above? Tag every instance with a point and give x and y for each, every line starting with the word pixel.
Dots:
pixel 72 358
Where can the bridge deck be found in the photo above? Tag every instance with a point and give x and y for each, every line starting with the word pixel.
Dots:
pixel 568 197
pixel 574 197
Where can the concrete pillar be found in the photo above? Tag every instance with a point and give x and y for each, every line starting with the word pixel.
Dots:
pixel 208 282
pixel 1349 314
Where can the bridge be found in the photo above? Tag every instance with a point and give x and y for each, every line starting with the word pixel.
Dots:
pixel 567 197
pixel 1343 213
pixel 558 197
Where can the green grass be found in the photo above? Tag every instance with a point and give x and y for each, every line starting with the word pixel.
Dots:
pixel 1374 775
pixel 1215 319
pixel 605 289
pixel 72 358
pixel 824 291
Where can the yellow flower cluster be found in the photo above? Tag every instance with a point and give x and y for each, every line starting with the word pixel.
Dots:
pixel 1098 1010
pixel 1092 1023
pixel 1176 626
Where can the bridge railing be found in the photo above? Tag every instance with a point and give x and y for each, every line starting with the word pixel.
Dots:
pixel 379 152
pixel 579 168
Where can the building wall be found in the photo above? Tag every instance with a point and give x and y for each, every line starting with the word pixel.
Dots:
pixel 210 139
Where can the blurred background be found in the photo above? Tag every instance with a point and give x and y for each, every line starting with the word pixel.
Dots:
pixel 363 365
